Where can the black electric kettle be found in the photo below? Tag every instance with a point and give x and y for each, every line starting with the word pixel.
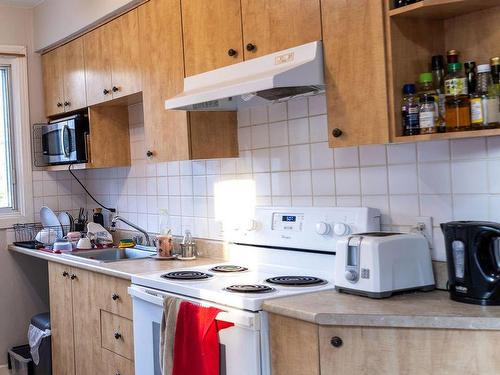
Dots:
pixel 473 258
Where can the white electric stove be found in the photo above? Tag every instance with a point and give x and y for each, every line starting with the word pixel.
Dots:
pixel 279 253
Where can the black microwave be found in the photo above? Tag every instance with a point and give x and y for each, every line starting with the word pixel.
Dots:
pixel 64 141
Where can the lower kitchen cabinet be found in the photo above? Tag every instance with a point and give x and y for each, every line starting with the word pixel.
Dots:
pixel 299 347
pixel 91 318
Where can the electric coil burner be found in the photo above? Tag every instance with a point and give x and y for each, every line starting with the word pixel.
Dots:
pixel 187 275
pixel 228 268
pixel 296 280
pixel 249 288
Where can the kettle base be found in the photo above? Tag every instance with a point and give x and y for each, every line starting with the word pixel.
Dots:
pixel 474 301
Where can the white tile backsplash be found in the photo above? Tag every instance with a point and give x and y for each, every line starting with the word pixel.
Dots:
pixel 284 151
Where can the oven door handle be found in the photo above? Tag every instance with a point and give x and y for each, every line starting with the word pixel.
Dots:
pixel 66 147
pixel 157 299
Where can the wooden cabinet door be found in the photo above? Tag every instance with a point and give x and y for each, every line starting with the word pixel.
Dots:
pixel 212 34
pixel 53 72
pixel 74 75
pixel 61 317
pixel 410 351
pixel 355 72
pixel 124 48
pixel 87 339
pixel 166 132
pixel 270 26
pixel 97 55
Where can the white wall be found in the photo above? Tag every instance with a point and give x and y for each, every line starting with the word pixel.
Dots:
pixel 55 20
pixel 23 280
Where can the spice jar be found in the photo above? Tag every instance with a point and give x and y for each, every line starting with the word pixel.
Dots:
pixel 428 114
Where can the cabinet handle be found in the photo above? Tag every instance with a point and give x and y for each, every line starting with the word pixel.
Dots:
pixel 67 104
pixel 336 132
pixel 118 373
pixel 106 91
pixel 59 104
pixel 115 89
pixel 65 274
pixel 118 335
pixel 73 276
pixel 115 296
pixel 336 342
pixel 251 47
pixel 232 52
pixel 149 154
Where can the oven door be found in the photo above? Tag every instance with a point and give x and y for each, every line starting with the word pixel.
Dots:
pixel 240 345
pixel 59 143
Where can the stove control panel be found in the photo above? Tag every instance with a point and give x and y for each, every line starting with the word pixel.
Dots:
pixel 284 221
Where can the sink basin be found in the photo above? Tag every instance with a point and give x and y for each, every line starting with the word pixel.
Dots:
pixel 113 254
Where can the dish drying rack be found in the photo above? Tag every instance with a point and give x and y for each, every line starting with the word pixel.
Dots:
pixel 25 234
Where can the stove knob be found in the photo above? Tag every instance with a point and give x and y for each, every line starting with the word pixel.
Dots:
pixel 341 229
pixel 351 275
pixel 251 225
pixel 322 228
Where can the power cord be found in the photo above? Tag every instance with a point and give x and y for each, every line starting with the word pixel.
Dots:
pixel 113 210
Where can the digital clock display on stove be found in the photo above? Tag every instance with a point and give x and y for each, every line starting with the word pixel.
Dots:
pixel 289 219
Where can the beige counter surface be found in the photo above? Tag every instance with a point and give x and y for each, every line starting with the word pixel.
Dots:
pixel 414 310
pixel 123 269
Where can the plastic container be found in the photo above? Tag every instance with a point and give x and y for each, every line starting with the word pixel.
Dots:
pixel 19 360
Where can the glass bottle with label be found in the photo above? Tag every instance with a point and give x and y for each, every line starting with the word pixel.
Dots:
pixel 428 114
pixel 457 99
pixel 484 103
pixel 409 110
pixel 438 79
pixel 470 74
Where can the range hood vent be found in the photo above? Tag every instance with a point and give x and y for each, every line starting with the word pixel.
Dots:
pixel 279 76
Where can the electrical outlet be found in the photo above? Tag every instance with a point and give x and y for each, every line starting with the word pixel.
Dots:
pixel 424 225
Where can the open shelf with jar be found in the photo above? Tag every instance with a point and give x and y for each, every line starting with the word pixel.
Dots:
pixel 416 32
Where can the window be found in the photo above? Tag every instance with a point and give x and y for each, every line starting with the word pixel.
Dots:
pixel 16 187
pixel 7 172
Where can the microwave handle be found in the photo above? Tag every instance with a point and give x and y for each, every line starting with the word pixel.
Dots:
pixel 65 130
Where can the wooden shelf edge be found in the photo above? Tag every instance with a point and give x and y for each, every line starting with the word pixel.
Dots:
pixel 53 168
pixel 441 9
pixel 444 136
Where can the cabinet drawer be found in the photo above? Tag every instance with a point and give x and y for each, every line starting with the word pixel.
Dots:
pixel 113 296
pixel 117 334
pixel 113 364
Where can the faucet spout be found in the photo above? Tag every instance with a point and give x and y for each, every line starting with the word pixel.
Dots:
pixel 130 224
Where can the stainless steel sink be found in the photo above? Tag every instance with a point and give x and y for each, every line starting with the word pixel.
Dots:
pixel 113 254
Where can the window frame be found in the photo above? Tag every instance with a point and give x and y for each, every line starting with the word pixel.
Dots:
pixel 15 56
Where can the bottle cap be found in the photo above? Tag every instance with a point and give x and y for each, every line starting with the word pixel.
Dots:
pixel 452 52
pixel 454 67
pixel 437 62
pixel 409 88
pixel 425 77
pixel 495 61
pixel 484 68
pixel 98 210
pixel 452 56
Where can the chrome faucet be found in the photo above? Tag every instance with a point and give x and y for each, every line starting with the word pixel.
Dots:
pixel 130 224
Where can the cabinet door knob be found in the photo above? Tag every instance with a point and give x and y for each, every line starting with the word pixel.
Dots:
pixel 65 274
pixel 251 47
pixel 59 104
pixel 336 132
pixel 118 373
pixel 73 276
pixel 118 335
pixel 67 104
pixel 106 91
pixel 115 296
pixel 232 52
pixel 149 154
pixel 336 342
pixel 115 89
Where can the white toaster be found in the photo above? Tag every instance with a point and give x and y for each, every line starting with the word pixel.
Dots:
pixel 379 264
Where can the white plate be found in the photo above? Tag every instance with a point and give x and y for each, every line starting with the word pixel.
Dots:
pixel 65 221
pixel 49 220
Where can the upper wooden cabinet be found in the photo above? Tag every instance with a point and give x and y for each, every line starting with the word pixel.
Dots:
pixel 176 135
pixel 270 26
pixel 112 60
pixel 355 72
pixel 64 78
pixel 212 34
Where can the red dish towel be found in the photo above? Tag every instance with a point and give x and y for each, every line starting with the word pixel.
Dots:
pixel 196 347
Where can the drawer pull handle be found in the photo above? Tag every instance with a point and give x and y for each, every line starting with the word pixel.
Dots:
pixel 67 104
pixel 336 342
pixel 59 104
pixel 65 274
pixel 73 276
pixel 118 335
pixel 251 47
pixel 232 52
pixel 336 132
pixel 115 89
pixel 106 91
pixel 118 373
pixel 115 296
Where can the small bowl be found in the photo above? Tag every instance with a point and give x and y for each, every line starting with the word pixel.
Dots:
pixel 63 246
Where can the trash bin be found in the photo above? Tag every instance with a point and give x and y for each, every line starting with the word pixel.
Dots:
pixel 42 323
pixel 19 360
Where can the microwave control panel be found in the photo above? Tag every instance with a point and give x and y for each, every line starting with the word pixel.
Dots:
pixel 283 221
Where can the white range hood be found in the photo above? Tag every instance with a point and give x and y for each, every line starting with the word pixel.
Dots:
pixel 279 76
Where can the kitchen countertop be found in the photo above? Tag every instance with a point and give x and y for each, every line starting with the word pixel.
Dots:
pixel 413 310
pixel 124 269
